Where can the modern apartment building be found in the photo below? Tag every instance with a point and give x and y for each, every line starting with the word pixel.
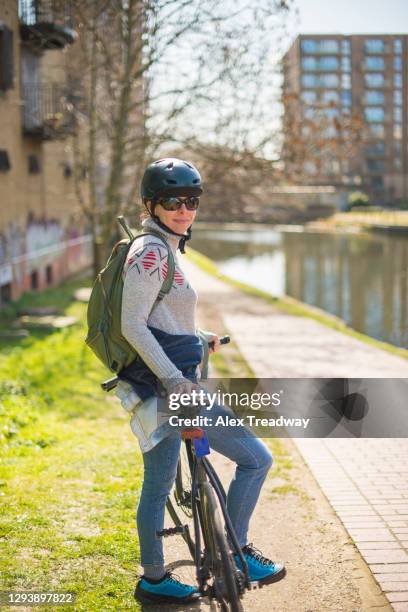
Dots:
pixel 43 235
pixel 345 113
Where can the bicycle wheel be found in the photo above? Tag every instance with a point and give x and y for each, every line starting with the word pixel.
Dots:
pixel 219 557
pixel 179 501
pixel 183 484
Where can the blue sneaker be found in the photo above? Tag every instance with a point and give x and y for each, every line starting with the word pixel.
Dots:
pixel 260 569
pixel 166 590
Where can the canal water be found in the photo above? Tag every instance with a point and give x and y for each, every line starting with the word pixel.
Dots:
pixel 362 278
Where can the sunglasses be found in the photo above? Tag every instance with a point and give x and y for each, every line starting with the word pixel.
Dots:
pixel 176 203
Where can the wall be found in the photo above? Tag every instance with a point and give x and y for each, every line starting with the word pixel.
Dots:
pixel 43 234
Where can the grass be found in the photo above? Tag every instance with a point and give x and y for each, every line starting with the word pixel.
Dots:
pixel 70 468
pixel 230 359
pixel 364 219
pixel 293 307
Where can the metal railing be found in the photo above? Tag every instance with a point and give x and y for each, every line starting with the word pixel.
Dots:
pixel 47 110
pixel 34 12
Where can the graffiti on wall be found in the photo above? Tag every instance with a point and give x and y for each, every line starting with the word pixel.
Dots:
pixel 43 237
pixel 39 244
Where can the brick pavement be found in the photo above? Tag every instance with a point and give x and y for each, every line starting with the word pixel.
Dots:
pixel 365 480
pixel 366 483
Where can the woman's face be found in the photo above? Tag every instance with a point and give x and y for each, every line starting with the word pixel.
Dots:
pixel 177 220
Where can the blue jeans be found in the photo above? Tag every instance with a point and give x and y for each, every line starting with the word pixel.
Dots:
pixel 239 444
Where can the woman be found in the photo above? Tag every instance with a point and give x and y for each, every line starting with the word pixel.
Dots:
pixel 170 192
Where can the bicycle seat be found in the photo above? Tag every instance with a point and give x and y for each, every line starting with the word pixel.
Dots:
pixel 192 432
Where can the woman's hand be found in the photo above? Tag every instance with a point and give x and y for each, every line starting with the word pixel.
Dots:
pixel 216 340
pixel 186 387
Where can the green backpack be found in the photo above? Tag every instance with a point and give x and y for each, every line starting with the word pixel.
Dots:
pixel 105 304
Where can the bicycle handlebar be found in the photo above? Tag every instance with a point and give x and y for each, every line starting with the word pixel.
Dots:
pixel 223 340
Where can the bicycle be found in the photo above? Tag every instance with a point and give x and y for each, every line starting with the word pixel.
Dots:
pixel 199 494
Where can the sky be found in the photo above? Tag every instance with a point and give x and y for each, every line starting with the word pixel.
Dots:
pixel 352 16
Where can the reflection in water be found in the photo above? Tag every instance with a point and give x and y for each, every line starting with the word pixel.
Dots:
pixel 361 278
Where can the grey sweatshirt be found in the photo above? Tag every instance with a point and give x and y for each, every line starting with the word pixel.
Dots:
pixel 143 274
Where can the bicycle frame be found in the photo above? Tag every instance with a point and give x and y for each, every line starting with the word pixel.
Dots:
pixel 204 475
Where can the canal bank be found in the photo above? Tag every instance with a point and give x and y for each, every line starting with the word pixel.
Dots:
pixel 293 307
pixel 364 481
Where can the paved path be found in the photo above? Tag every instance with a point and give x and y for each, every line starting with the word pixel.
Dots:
pixel 365 480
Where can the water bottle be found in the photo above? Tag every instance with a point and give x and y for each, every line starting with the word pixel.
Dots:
pixel 127 395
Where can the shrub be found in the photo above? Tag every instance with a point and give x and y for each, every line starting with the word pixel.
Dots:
pixel 358 198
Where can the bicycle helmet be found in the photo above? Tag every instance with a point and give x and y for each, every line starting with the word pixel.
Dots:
pixel 170 177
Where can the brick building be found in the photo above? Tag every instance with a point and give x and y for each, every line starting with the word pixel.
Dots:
pixel 345 113
pixel 43 236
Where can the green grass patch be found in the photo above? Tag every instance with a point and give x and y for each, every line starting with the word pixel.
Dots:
pixel 70 470
pixel 230 363
pixel 364 219
pixel 293 307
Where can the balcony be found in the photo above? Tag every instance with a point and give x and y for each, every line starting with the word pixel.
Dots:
pixel 46 24
pixel 48 112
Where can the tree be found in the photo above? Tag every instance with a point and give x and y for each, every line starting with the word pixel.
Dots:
pixel 162 74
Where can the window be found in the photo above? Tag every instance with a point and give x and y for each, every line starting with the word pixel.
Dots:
pixel 330 131
pixel 377 182
pixel 397 163
pixel 376 130
pixel 346 64
pixel 346 81
pixel 397 114
pixel 374 80
pixel 377 149
pixel 397 63
pixel 6 58
pixel 374 97
pixel 309 46
pixel 375 165
pixel 374 63
pixel 398 131
pixel 398 96
pixel 330 113
pixel 34 280
pixel 328 63
pixel 322 80
pixel 330 166
pixel 321 64
pixel 319 46
pixel 48 275
pixel 309 112
pixel 5 165
pixel 346 97
pixel 309 167
pixel 309 63
pixel 345 47
pixel 374 45
pixel 397 46
pixel 328 46
pixel 397 79
pixel 374 113
pixel 33 165
pixel 308 97
pixel 329 96
pixel 5 293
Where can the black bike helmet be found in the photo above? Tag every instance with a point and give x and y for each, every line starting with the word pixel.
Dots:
pixel 170 177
